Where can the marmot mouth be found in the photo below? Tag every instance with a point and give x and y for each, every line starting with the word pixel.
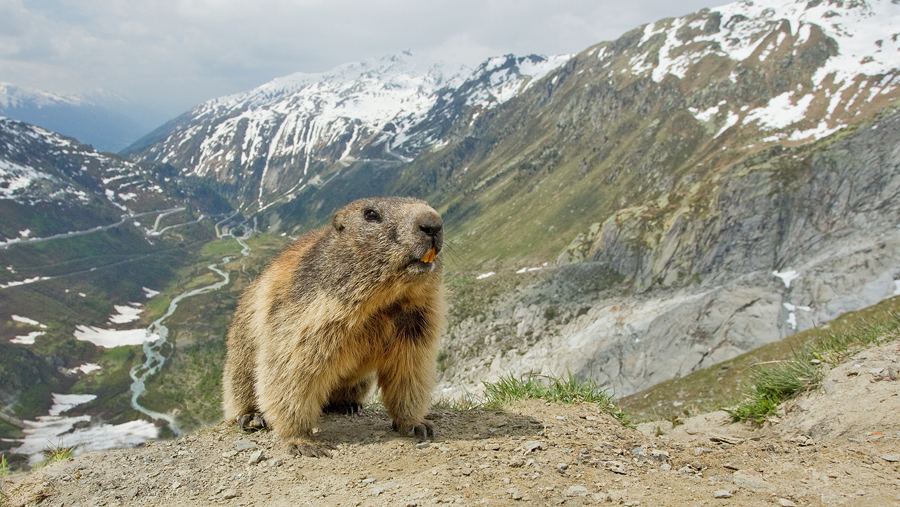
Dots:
pixel 429 256
pixel 423 264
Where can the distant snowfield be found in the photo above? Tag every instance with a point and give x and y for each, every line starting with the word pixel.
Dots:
pixel 86 368
pixel 26 320
pixel 55 430
pixel 65 402
pixel 109 338
pixel 26 281
pixel 15 177
pixel 27 339
pixel 126 314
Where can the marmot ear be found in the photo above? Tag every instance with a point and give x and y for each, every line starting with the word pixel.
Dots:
pixel 337 221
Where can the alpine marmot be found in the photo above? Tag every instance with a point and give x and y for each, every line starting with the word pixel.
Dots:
pixel 343 307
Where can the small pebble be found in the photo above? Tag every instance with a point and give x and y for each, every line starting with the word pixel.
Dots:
pixel 256 457
pixel 722 493
pixel 784 502
pixel 532 446
pixel 229 493
pixel 244 445
pixel 575 491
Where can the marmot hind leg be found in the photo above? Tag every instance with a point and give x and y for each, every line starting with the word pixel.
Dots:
pixel 349 399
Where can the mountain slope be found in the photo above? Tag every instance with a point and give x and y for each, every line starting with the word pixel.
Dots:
pixel 51 184
pixel 615 127
pixel 782 242
pixel 83 237
pixel 659 158
pixel 271 142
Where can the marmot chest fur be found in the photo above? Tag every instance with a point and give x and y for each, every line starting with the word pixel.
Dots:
pixel 346 306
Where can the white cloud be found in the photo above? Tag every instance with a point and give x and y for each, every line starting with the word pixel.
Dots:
pixel 173 54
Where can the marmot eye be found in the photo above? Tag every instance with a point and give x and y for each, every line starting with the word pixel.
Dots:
pixel 372 215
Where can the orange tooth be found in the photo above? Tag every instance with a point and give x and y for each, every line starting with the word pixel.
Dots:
pixel 429 256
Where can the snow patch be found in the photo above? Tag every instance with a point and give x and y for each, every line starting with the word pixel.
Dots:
pixel 787 277
pixel 109 338
pixel 65 402
pixel 126 313
pixel 26 320
pixel 27 339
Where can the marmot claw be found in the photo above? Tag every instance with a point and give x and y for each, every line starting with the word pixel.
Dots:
pixel 423 430
pixel 252 422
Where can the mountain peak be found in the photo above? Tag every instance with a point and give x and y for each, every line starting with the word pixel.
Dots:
pixel 12 96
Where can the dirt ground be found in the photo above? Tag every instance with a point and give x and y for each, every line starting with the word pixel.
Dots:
pixel 838 446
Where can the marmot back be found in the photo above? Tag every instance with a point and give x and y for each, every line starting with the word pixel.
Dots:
pixel 343 307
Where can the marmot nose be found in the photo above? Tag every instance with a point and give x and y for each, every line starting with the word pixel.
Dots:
pixel 432 229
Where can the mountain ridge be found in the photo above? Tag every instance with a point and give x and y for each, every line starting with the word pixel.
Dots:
pixel 102 120
pixel 370 111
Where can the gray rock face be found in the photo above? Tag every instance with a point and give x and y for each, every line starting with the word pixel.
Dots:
pixel 773 248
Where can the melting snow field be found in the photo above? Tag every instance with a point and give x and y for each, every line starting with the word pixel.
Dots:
pixel 109 338
pixel 126 313
pixel 26 320
pixel 29 338
pixel 55 430
pixel 787 277
pixel 86 368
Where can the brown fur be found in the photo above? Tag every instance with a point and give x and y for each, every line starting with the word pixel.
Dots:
pixel 342 308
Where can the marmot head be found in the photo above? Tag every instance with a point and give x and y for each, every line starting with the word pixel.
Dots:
pixel 392 236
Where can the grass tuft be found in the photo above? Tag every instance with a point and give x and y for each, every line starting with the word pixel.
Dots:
pixel 776 382
pixel 54 454
pixel 569 390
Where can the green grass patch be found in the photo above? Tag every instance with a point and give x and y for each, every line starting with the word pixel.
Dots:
pixel 221 248
pixel 56 453
pixel 553 389
pixel 775 383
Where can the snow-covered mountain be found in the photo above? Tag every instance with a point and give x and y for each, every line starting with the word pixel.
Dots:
pixel 51 184
pixel 270 142
pixel 835 61
pixel 96 120
pixel 839 59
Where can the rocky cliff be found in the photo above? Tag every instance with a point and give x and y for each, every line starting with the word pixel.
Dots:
pixel 781 242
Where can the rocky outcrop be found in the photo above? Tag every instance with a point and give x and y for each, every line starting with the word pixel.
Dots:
pixel 777 244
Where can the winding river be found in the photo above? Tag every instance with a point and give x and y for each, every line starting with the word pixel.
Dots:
pixel 67 431
pixel 158 335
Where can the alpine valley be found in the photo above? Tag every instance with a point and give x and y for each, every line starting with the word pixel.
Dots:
pixel 632 213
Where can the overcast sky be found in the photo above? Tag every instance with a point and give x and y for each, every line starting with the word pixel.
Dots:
pixel 170 55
